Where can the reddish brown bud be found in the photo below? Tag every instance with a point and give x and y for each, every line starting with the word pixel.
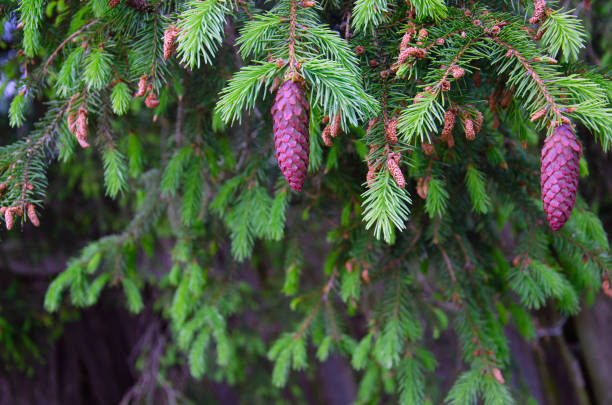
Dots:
pixel 359 50
pixel 32 215
pixel 449 123
pixel 151 101
pixel 326 136
pixel 470 134
pixel 142 86
pixel 349 266
pixel 406 39
pixel 394 169
pixel 391 131
pixel 9 218
pixel 170 35
pixel 371 176
pixel 478 120
pixel 417 53
pixel 458 72
pixel 308 3
pixel 498 375
pixel 539 11
pixel 80 126
pixel 445 85
pixel 538 114
pixel 335 128
pixel 428 149
pixel 422 187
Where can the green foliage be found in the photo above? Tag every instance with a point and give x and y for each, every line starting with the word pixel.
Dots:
pixel 17 110
pixel 437 198
pixel 369 14
pixel 475 183
pixel 201 27
pixel 563 32
pixel 31 17
pixel 97 71
pixel 386 207
pixel 243 89
pixel 115 172
pixel 120 98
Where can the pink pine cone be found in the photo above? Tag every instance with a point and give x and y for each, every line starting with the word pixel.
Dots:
pixel 559 175
pixel 290 115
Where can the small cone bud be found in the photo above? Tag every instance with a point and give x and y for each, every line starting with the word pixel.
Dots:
pixel 539 10
pixel 470 134
pixel 391 131
pixel 478 121
pixel 151 101
pixel 422 187
pixel 9 218
pixel 406 39
pixel 458 72
pixel 538 114
pixel 498 375
pixel 326 136
pixel 371 176
pixel 81 133
pixel 32 215
pixel 290 115
pixel 170 35
pixel 113 3
pixel 142 86
pixel 450 117
pixel 559 175
pixel 395 170
pixel 428 149
pixel 335 128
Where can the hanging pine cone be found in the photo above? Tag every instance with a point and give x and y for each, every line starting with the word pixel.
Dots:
pixel 559 175
pixel 290 114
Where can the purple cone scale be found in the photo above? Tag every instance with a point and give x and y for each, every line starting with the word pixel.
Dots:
pixel 290 115
pixel 559 175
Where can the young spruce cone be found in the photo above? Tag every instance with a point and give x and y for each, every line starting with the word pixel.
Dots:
pixel 290 114
pixel 559 175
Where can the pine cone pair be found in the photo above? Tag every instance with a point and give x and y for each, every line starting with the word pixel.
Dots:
pixel 290 115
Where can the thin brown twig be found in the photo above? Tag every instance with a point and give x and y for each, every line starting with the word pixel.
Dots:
pixel 70 38
pixel 536 77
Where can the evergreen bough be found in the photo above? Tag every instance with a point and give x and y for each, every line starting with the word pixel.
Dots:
pixel 411 263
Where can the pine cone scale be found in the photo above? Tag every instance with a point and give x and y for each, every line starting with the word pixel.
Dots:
pixel 290 115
